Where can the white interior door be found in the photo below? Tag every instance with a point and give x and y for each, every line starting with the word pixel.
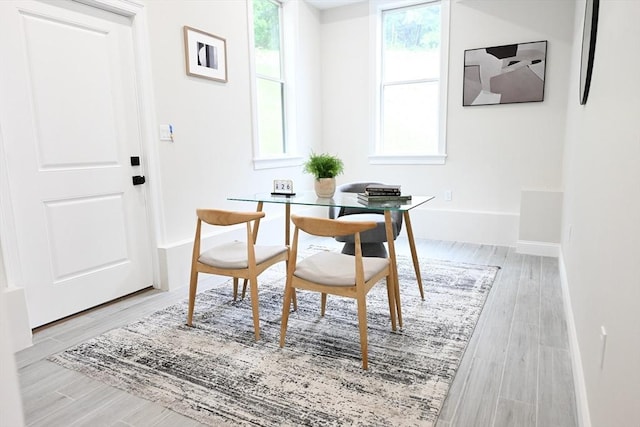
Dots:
pixel 69 119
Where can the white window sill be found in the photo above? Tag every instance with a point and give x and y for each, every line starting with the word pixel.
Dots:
pixel 433 159
pixel 277 162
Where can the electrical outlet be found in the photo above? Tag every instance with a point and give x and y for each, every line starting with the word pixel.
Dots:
pixel 447 195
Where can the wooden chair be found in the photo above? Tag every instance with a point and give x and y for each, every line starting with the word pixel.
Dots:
pixel 236 259
pixel 335 273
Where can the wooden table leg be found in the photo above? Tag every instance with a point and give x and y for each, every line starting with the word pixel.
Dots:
pixel 393 264
pixel 414 254
pixel 255 228
pixel 287 224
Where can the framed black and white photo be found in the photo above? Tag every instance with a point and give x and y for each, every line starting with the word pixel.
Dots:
pixel 504 74
pixel 206 55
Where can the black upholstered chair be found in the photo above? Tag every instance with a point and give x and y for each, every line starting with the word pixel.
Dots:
pixel 372 240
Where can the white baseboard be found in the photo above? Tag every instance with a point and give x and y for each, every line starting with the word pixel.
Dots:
pixel 582 403
pixel 528 247
pixel 15 306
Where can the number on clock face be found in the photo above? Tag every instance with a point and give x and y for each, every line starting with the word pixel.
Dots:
pixel 282 186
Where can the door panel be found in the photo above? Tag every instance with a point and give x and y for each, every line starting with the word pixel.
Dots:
pixel 68 111
pixel 73 224
pixel 92 139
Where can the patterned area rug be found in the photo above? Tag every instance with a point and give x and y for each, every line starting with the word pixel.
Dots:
pixel 218 374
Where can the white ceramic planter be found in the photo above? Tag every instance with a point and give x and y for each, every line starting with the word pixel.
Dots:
pixel 325 187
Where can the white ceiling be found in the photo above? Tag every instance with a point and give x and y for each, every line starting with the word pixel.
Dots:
pixel 327 4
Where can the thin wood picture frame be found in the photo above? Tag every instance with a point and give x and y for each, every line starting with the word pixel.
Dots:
pixel 205 55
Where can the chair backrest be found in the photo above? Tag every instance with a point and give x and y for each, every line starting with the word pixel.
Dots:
pixel 222 217
pixel 330 227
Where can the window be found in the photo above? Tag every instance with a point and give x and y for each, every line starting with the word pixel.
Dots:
pixel 273 128
pixel 411 84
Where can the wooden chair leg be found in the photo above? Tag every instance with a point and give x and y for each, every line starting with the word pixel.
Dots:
pixel 288 292
pixel 244 288
pixel 254 306
pixel 235 288
pixel 323 304
pixel 362 323
pixel 295 298
pixel 193 287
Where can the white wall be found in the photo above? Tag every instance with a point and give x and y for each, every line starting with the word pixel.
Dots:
pixel 10 400
pixel 211 158
pixel 601 220
pixel 494 152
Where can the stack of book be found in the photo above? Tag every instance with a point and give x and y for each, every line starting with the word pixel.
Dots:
pixel 380 193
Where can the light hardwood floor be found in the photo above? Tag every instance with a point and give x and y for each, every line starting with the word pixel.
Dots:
pixel 516 370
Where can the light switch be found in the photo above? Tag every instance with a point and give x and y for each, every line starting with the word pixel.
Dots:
pixel 165 133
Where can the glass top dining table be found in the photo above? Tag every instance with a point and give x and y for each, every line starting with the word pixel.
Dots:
pixel 350 200
pixel 340 200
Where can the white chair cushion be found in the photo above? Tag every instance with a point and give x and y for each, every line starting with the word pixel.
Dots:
pixel 233 255
pixel 335 269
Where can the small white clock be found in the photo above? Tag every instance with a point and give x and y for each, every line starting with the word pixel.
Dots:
pixel 283 187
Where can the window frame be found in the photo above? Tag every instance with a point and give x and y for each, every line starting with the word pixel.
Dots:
pixel 288 44
pixel 376 157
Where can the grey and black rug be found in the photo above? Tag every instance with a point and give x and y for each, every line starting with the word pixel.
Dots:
pixel 216 373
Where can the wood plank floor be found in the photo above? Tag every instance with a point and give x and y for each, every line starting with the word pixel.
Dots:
pixel 516 370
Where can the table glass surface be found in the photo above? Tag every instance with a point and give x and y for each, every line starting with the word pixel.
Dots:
pixel 341 200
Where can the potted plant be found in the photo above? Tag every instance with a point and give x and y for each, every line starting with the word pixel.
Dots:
pixel 324 167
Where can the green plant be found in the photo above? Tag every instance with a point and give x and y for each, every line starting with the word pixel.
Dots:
pixel 323 165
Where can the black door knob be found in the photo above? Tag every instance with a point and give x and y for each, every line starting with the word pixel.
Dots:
pixel 137 180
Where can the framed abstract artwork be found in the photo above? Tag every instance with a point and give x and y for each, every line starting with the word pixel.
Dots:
pixel 505 74
pixel 206 55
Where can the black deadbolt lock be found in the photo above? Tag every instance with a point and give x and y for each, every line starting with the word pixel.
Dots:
pixel 135 161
